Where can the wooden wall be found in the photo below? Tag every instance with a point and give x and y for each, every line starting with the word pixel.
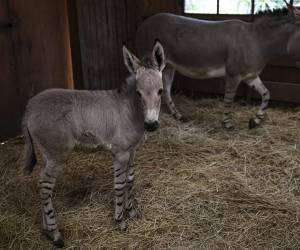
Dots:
pixel 10 111
pixel 99 29
pixel 35 55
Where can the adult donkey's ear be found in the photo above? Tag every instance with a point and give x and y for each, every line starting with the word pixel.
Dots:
pixel 290 6
pixel 132 63
pixel 291 3
pixel 293 10
pixel 158 56
pixel 296 13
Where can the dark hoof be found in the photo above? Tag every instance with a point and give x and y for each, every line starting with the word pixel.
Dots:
pixel 59 243
pixel 133 214
pixel 253 123
pixel 183 119
pixel 228 126
pixel 122 225
pixel 56 239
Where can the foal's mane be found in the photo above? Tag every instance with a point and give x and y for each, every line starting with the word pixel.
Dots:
pixel 147 62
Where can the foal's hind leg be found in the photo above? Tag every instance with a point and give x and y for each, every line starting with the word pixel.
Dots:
pixel 257 84
pixel 46 185
pixel 120 167
pixel 231 86
pixel 168 77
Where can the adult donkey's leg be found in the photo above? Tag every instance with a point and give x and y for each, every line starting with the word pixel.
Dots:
pixel 231 86
pixel 257 84
pixel 120 167
pixel 46 185
pixel 168 77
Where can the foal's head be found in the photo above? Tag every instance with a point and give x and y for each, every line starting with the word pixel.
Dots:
pixel 149 84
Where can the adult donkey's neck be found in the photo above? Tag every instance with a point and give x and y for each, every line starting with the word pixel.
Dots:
pixel 273 30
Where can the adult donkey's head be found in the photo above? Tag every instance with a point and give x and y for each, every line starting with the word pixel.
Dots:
pixel 293 46
pixel 149 84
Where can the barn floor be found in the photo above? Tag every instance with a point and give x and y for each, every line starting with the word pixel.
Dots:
pixel 197 187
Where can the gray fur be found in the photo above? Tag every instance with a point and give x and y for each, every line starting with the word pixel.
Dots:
pixel 57 120
pixel 232 49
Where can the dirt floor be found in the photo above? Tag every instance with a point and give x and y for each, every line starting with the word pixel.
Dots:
pixel 197 187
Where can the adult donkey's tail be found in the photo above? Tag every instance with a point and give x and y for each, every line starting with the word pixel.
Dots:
pixel 30 158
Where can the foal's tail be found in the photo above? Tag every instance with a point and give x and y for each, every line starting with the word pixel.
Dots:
pixel 30 157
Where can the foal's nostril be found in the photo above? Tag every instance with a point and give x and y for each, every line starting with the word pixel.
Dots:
pixel 151 126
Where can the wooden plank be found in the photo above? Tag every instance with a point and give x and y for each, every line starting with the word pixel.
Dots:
pixel 282 91
pixel 41 45
pixel 102 29
pixel 279 73
pixel 10 110
pixel 35 55
pixel 75 45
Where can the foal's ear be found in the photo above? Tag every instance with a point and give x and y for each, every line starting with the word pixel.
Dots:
pixel 132 63
pixel 158 56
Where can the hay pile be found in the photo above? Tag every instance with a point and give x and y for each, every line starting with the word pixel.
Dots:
pixel 197 187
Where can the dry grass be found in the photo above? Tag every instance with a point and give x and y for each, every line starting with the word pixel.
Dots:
pixel 197 187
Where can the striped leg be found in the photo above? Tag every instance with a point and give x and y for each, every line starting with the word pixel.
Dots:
pixel 231 86
pixel 120 168
pixel 168 77
pixel 257 84
pixel 130 180
pixel 46 185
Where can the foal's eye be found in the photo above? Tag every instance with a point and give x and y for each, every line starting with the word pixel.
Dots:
pixel 139 93
pixel 160 91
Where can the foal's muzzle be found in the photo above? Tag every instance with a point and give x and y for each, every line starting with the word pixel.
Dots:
pixel 151 126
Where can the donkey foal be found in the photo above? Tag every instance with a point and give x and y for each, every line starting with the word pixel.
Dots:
pixel 57 120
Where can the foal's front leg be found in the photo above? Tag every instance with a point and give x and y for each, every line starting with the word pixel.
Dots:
pixel 120 168
pixel 130 180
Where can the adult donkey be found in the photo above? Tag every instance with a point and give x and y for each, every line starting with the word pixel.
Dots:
pixel 57 120
pixel 232 49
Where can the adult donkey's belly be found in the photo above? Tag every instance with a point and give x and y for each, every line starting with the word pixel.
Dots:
pixel 200 72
